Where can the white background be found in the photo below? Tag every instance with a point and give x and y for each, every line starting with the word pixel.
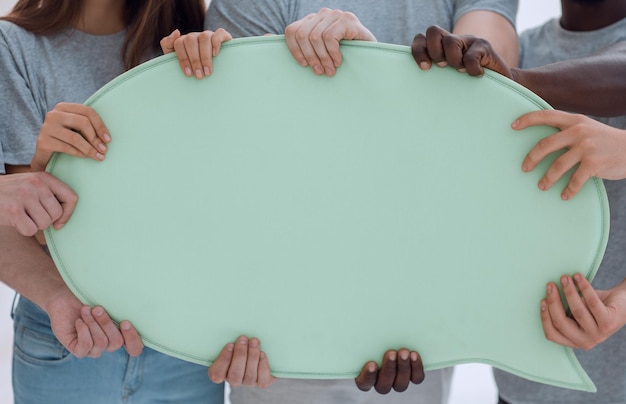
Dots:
pixel 473 383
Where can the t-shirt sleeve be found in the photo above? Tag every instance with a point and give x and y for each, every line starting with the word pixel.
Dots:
pixel 506 8
pixel 250 18
pixel 20 117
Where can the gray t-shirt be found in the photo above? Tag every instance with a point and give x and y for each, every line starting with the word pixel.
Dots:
pixel 40 71
pixel 391 22
pixel 606 363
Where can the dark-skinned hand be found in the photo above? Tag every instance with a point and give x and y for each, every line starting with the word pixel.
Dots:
pixel 398 370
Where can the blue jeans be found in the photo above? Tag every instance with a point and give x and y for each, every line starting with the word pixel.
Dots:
pixel 45 372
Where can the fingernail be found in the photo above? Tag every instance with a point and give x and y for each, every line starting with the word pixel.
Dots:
pixel 525 167
pixel 230 347
pixel 318 70
pixel 86 310
pixel 544 305
pixel 371 368
pixel 102 147
pixel 242 340
pixel 549 289
pixel 542 186
pixel 263 356
pixel 564 196
pixel 207 71
pixel 462 70
pixel 424 65
pixel 329 71
pixel 100 156
pixel 413 356
pixel 254 343
pixel 404 355
pixel 107 137
pixel 98 311
pixel 515 124
pixel 199 74
pixel 578 278
pixel 125 325
pixel 188 71
pixel 565 281
pixel 442 64
pixel 392 356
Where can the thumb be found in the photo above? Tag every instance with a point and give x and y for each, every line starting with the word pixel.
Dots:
pixel 167 43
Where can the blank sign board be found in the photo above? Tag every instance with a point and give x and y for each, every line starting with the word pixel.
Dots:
pixel 332 217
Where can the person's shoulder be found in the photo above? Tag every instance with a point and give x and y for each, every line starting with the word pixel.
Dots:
pixel 11 33
pixel 546 29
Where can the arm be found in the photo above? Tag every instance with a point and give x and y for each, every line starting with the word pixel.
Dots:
pixel 33 201
pixel 25 267
pixel 593 85
pixel 595 314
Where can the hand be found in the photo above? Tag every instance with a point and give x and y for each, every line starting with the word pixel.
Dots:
pixel 596 148
pixel 242 364
pixel 196 50
pixel 89 332
pixel 73 129
pixel 314 40
pixel 462 52
pixel 399 368
pixel 33 201
pixel 596 314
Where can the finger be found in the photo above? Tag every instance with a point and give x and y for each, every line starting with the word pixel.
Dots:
pixel 300 41
pixel 93 125
pixel 181 53
pixel 291 33
pixel 403 376
pixel 24 224
pixel 576 183
pixel 577 307
pixel 238 363
pixel 114 337
pixel 264 375
pixel 434 44
pixel 64 196
pixel 387 373
pixel 550 332
pixel 454 48
pixel 132 341
pixel 40 211
pixel 367 378
pixel 554 118
pixel 593 301
pixel 478 55
pixel 100 341
pixel 252 363
pixel 167 43
pixel 192 44
pixel 560 321
pixel 84 343
pixel 420 52
pixel 417 368
pixel 219 370
pixel 219 37
pixel 558 169
pixel 325 38
pixel 545 147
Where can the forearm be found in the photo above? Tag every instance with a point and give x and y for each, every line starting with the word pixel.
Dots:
pixel 26 268
pixel 594 85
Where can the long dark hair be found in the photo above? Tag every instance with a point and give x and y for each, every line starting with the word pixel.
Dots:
pixel 147 21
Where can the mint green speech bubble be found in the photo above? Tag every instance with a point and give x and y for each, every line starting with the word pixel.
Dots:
pixel 333 218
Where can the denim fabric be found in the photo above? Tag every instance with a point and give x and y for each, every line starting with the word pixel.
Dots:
pixel 45 372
